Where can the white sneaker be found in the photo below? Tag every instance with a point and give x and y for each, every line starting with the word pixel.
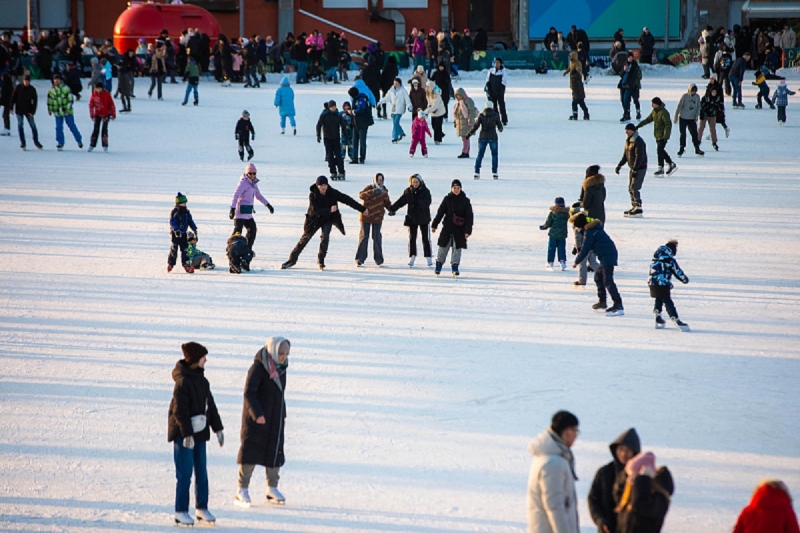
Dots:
pixel 203 516
pixel 274 496
pixel 425 156
pixel 242 498
pixel 183 519
pixel 727 132
pixel 411 260
pixel 430 261
pixel 549 267
pixel 477 176
pixel 411 156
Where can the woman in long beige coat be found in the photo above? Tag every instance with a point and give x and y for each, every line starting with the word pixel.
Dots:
pixel 464 115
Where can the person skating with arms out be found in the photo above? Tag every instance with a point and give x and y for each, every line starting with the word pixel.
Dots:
pixel 662 269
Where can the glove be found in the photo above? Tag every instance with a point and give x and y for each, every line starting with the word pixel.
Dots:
pixel 233 211
pixel 542 227
pixel 617 169
pixel 188 442
pixel 221 439
pixel 271 209
pixel 574 250
pixel 254 138
pixel 319 140
pixel 576 205
pixel 391 213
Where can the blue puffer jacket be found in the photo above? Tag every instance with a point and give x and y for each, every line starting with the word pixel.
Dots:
pixel 663 267
pixel 181 220
pixel 284 98
pixel 596 240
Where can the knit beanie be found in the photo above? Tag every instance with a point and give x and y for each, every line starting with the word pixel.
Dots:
pixel 657 101
pixel 193 352
pixel 353 92
pixel 593 170
pixel 579 220
pixel 321 180
pixel 560 202
pixel 563 420
pixel 245 114
pixel 250 168
pixel 634 466
pixel 455 182
pixel 180 198
pixel 630 126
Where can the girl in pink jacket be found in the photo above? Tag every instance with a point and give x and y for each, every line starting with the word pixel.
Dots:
pixel 419 128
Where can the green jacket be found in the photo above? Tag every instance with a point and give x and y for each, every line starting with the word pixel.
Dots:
pixel 662 125
pixel 193 251
pixel 557 222
pixel 59 101
pixel 192 70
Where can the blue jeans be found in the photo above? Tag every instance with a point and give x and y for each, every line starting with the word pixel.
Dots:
pixel 21 129
pixel 291 121
pixel 737 90
pixel 187 460
pixel 397 130
pixel 556 244
pixel 189 88
pixel 302 68
pixel 482 144
pixel 70 120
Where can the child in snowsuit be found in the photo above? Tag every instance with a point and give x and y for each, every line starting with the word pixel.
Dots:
pixel 782 100
pixel 348 124
pixel 284 101
pixel 191 412
pixel 419 128
pixel 763 90
pixel 557 223
pixel 239 254
pixel 244 131
pixel 197 257
pixel 180 220
pixel 661 270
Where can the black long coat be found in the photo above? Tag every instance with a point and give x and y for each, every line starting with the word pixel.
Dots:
pixel 262 444
pixel 459 206
pixel 190 397
pixel 602 501
pixel 593 197
pixel 419 205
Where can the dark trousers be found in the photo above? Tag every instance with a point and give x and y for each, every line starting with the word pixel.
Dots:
pixel 98 122
pixel 333 154
pixel 671 311
pixel 412 239
pixel 436 125
pixel 363 243
pixel 737 90
pixel 250 224
pixel 21 129
pixel 155 80
pixel 604 279
pixel 781 113
pixel 186 461
pixel 304 240
pixel 692 125
pixel 7 117
pixel 359 144
pixel 635 181
pixel 499 101
pixel 244 144
pixel 582 104
pixel 556 244
pixel 178 243
pixel 627 96
pixel 126 102
pixel 763 92
pixel 661 150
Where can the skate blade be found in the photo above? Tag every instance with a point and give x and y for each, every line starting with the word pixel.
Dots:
pixel 273 501
pixel 183 526
pixel 660 326
pixel 203 523
pixel 616 313
pixel 634 216
pixel 240 503
pixel 684 328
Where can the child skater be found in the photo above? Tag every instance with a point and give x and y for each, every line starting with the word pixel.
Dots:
pixel 180 220
pixel 192 74
pixel 557 223
pixel 348 124
pixel 419 128
pixel 284 101
pixel 191 412
pixel 263 415
pixel 244 130
pixel 782 94
pixel 661 270
pixel 101 110
pixel 763 90
pixel 197 257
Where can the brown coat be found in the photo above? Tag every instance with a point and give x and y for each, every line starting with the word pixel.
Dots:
pixel 376 203
pixel 461 108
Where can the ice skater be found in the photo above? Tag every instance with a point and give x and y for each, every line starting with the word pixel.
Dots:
pixel 24 101
pixel 782 94
pixel 763 90
pixel 192 75
pixel 59 103
pixel 662 269
pixel 243 133
pixel 596 240
pixel 180 220
pixel 688 112
pixel 575 72
pixel 418 217
pixel 284 101
pixel 243 201
pixel 557 224
pixel 489 123
pixel 635 155
pixel 329 130
pixel 455 214
pixel 662 129
pixel 376 200
pixel 419 128
pixel 101 110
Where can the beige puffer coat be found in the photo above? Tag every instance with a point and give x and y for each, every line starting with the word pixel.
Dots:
pixel 552 502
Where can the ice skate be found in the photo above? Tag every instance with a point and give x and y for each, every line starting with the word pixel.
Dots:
pixel 288 264
pixel 283 132
pixel 715 146
pixel 454 268
pixel 6 133
pixel 600 305
pixel 183 520
pixel 683 326
pixel 275 497
pixel 430 261
pixel 495 176
pixel 477 176
pixel 672 169
pixel 411 260
pixel 294 131
pixel 681 151
pixel 169 268
pixel 563 265
pixel 659 173
pixel 438 269
pixel 727 132
pixel 91 149
pixel 615 310
pixel 549 267
pixel 242 498
pixel 574 116
pixel 188 268
pixel 321 266
pixel 698 152
pixel 660 322
pixel 60 147
pixel 204 517
pixel 635 213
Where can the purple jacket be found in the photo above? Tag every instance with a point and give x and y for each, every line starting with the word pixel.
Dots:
pixel 243 197
pixel 419 48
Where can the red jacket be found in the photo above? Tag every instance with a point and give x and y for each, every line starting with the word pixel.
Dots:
pixel 102 105
pixel 770 511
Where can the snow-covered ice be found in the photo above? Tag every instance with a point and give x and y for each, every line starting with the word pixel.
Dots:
pixel 411 399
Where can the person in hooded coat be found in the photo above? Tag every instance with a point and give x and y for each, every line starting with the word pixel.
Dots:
pixel 263 417
pixel 284 101
pixel 601 495
pixel 323 213
pixel 418 198
pixel 769 510
pixel 417 96
pixel 442 79
pixel 436 110
pixel 575 72
pixel 645 496
pixel 464 115
pixel 455 213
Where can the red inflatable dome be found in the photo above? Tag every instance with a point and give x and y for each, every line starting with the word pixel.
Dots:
pixel 147 20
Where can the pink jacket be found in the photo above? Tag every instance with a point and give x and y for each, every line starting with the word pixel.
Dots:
pixel 244 196
pixel 315 43
pixel 419 127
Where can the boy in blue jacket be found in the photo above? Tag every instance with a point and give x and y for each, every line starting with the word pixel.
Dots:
pixel 596 240
pixel 661 270
pixel 180 220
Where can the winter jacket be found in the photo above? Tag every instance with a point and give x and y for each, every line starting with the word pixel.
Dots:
pixel 180 220
pixel 489 123
pixel 632 77
pixel 788 39
pixel 419 205
pixel 738 69
pixel 663 267
pixel 319 208
pixel 723 61
pixel 376 199
pixel 419 128
pixel 102 105
pixel 244 197
pixel 7 89
pixel 688 106
pixel 557 222
pixel 596 240
pixel 782 94
pixel 192 73
pixel 464 113
pixel 705 47
pixel 646 44
pixel 436 107
pixel 284 98
pixel 262 444
pixel 575 72
pixel 602 503
pixel 244 129
pixel 238 249
pixel 365 90
pixel 388 75
pixel 496 82
pixel 662 124
pixel 443 82
pixel 60 99
pixel 191 397
pixel 769 511
pixel 362 110
pixel 418 100
pixel 194 252
pixel 635 153
pixel 329 125
pixel 648 504
pixel 24 100
pixel 711 106
pixel 453 206
pixel 418 49
pixel 552 501
pixel 593 197
pixel 398 100
pixel 158 63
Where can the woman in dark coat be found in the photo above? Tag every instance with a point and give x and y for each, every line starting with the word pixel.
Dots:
pixel 455 213
pixel 442 79
pixel 418 198
pixel 593 193
pixel 419 100
pixel 263 415
pixel 225 59
pixel 645 496
pixel 388 75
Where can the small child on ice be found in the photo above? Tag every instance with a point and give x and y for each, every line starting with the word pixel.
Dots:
pixel 284 101
pixel 557 222
pixel 763 90
pixel 180 220
pixel 197 257
pixel 348 123
pixel 244 131
pixel 661 270
pixel 239 254
pixel 419 128
pixel 782 100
